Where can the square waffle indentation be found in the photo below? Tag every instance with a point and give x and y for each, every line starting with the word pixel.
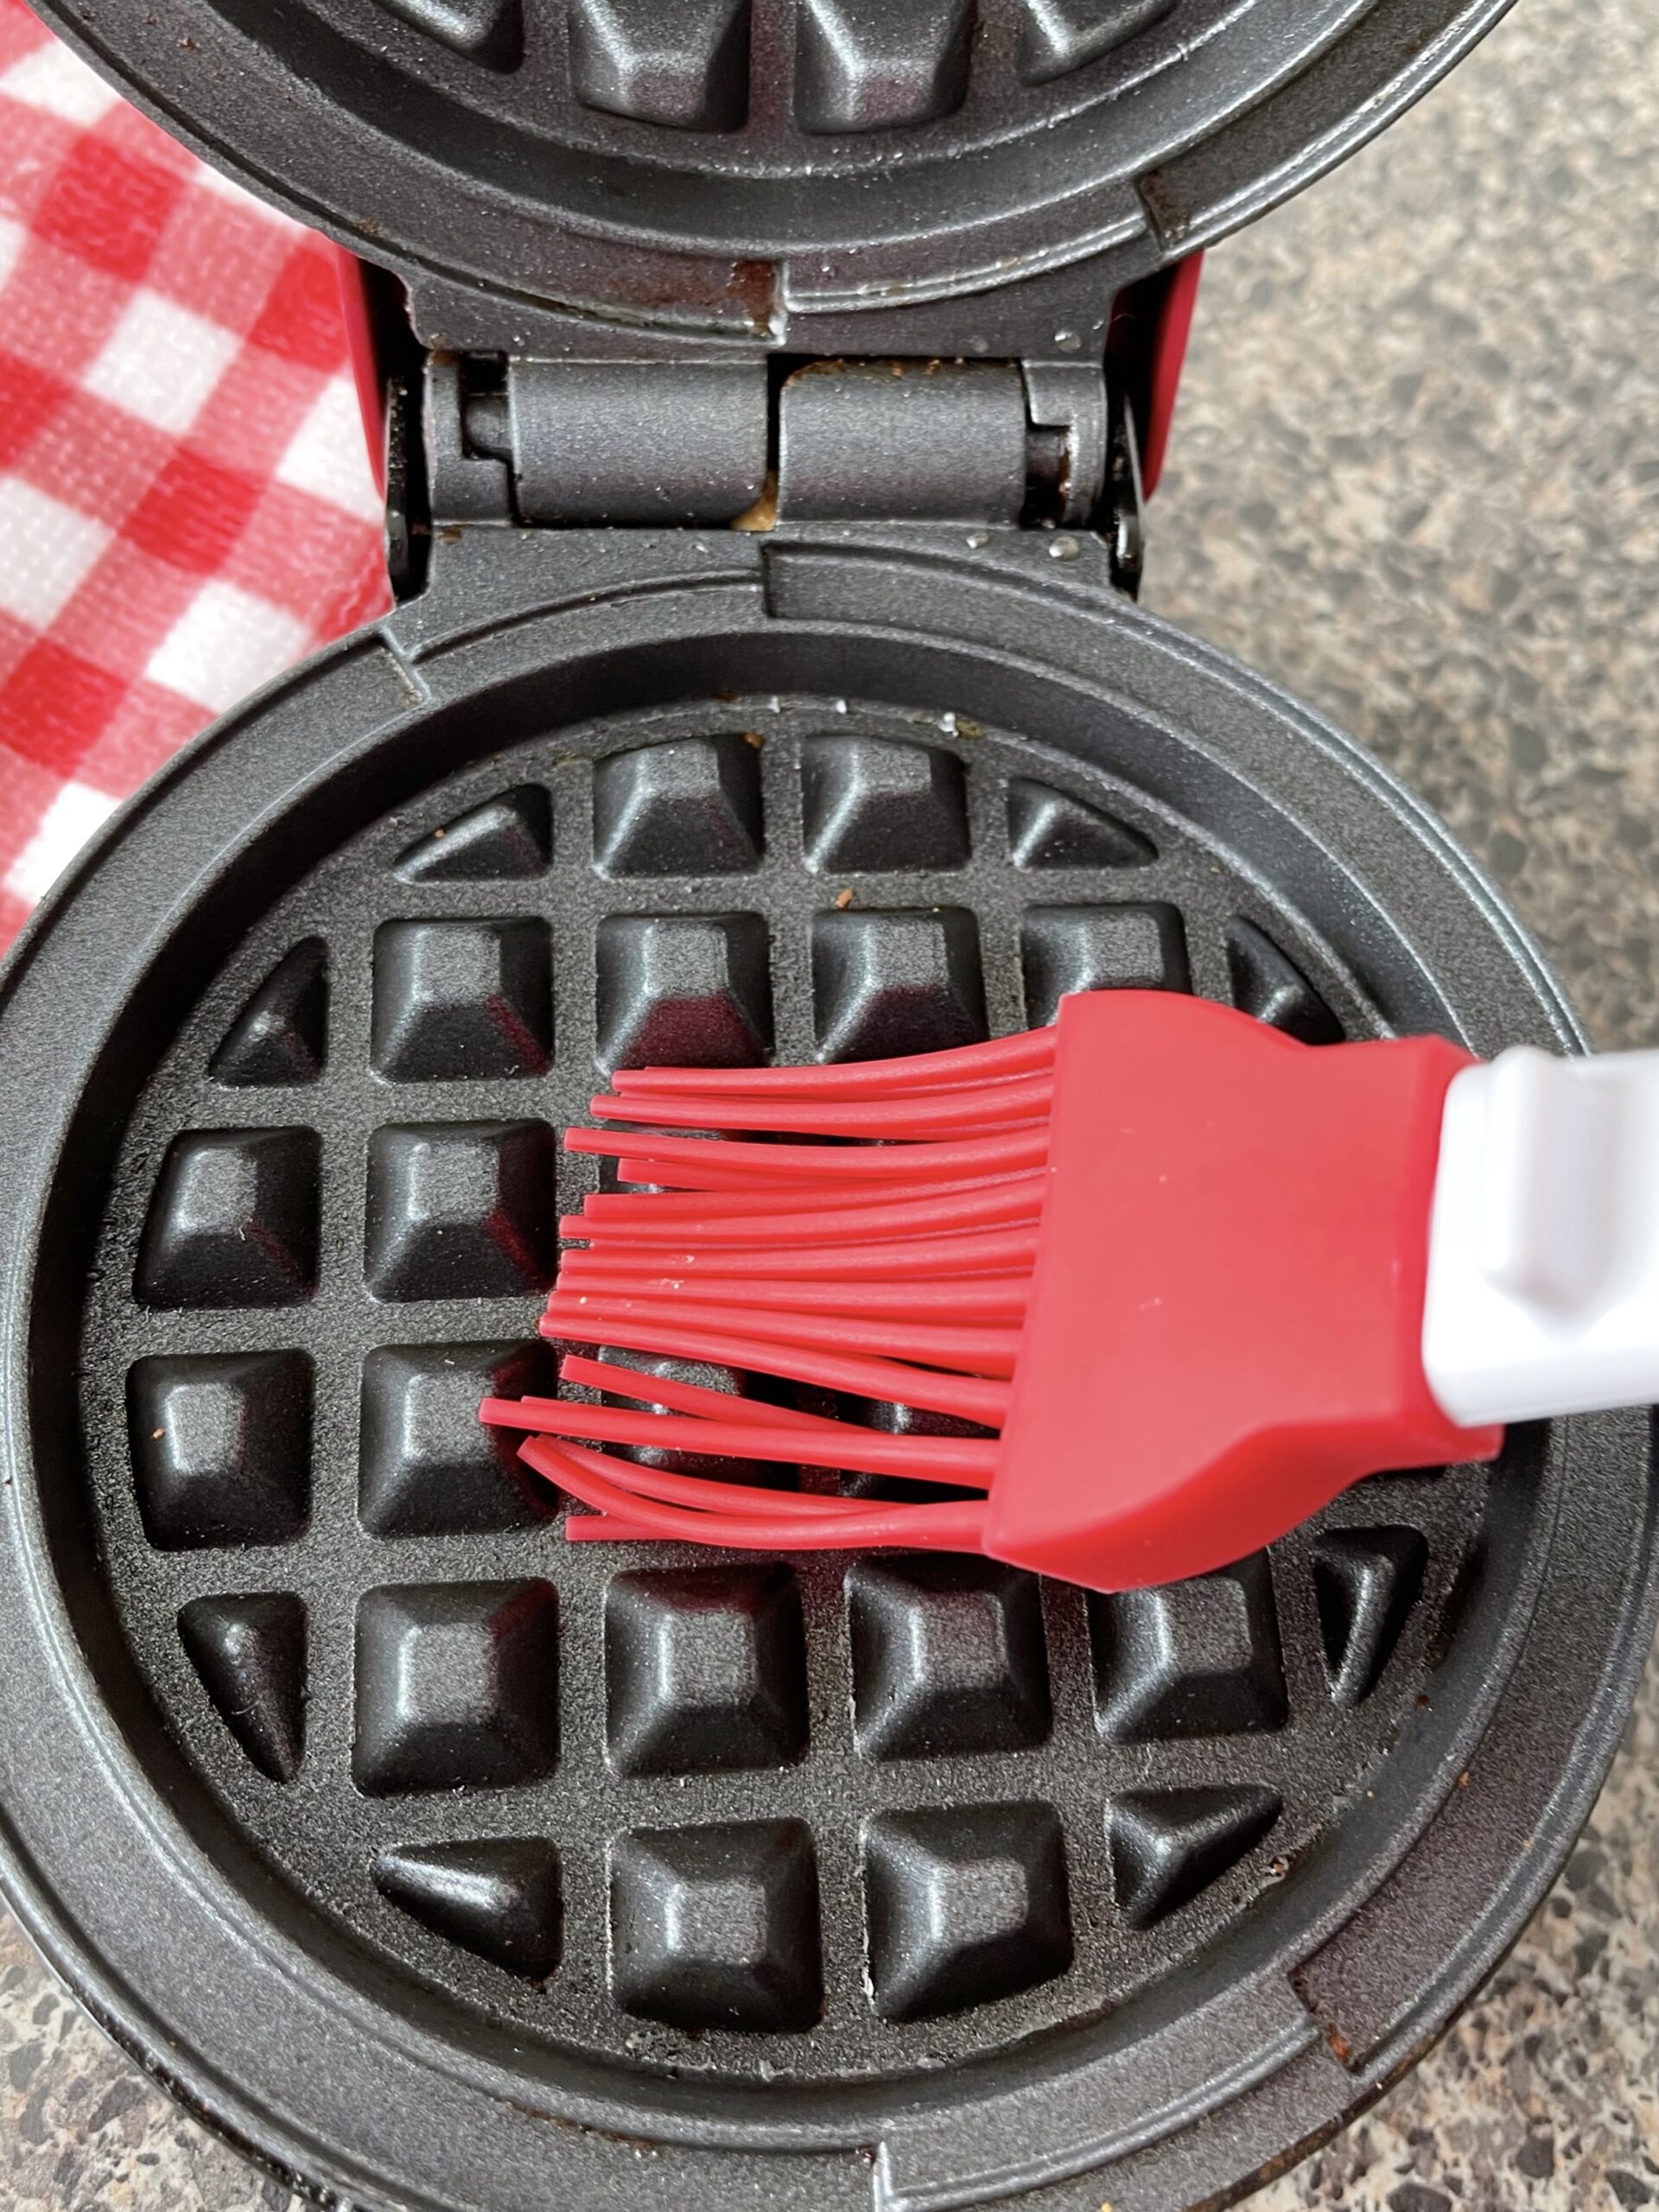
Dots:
pixel 221 1447
pixel 426 1465
pixel 948 1658
pixel 233 1221
pixel 688 70
pixel 967 1904
pixel 690 808
pixel 717 1927
pixel 1197 1658
pixel 868 805
pixel 457 1686
pixel 889 983
pixel 683 990
pixel 461 1000
pixel 462 1210
pixel 1128 948
pixel 864 65
pixel 705 1669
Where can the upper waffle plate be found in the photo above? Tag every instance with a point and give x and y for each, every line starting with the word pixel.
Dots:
pixel 758 168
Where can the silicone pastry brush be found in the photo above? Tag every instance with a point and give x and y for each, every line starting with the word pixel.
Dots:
pixel 1172 1279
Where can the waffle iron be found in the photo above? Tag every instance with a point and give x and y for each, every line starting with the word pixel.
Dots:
pixel 763 414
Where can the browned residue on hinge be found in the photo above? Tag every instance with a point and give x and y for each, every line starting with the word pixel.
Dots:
pixel 753 286
pixel 763 515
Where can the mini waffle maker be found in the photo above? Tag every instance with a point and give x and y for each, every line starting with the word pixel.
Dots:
pixel 440 1864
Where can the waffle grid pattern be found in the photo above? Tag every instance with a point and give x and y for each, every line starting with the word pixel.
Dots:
pixel 761 76
pixel 814 1818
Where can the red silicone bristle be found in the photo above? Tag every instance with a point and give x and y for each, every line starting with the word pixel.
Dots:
pixel 832 1164
pixel 893 1267
pixel 993 1298
pixel 966 1461
pixel 857 1375
pixel 980 1106
pixel 1022 1054
pixel 965 1348
pixel 671 1179
pixel 994 1251
pixel 646 1390
pixel 707 1493
pixel 964 1397
pixel 946 1525
pixel 729 1217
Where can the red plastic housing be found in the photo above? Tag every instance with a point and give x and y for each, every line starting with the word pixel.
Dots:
pixel 1226 1312
pixel 1169 345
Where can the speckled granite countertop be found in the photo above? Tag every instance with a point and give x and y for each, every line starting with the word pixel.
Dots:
pixel 1416 478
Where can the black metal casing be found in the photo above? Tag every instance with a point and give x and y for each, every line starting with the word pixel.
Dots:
pixel 438 1863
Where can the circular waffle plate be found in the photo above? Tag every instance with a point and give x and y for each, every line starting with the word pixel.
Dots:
pixel 444 1864
pixel 736 166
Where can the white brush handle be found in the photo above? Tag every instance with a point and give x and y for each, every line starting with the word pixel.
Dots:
pixel 1543 1259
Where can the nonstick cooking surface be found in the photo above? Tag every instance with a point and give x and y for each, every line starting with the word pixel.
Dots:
pixel 810 1819
pixel 722 166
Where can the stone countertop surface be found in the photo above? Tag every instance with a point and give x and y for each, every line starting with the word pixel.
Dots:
pixel 1415 479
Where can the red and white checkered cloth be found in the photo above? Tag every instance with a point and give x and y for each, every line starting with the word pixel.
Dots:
pixel 186 501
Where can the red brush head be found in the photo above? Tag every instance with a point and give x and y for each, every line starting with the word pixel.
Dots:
pixel 1160 1269
pixel 1225 1314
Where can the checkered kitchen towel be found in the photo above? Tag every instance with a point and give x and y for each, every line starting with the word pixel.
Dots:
pixel 185 502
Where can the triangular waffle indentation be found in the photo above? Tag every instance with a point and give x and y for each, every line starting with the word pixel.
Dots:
pixel 1269 984
pixel 249 1654
pixel 1048 828
pixel 1061 35
pixel 1166 1844
pixel 509 837
pixel 490 31
pixel 1366 1581
pixel 281 1036
pixel 497 1897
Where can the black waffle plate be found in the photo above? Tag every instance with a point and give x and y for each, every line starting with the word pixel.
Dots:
pixel 774 1868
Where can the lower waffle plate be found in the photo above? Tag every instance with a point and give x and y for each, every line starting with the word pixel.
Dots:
pixel 443 1863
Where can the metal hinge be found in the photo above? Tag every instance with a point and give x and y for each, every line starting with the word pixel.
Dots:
pixel 756 445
